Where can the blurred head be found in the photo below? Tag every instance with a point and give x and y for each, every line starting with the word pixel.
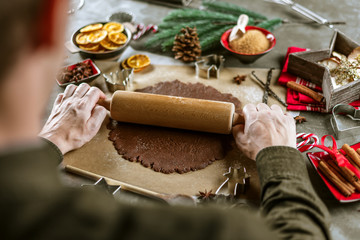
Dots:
pixel 31 50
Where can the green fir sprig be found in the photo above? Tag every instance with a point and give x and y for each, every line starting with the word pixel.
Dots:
pixel 232 9
pixel 190 15
pixel 210 24
pixel 211 41
pixel 163 36
pixel 202 31
pixel 171 24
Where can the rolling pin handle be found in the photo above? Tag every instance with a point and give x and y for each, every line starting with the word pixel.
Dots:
pixel 106 103
pixel 238 119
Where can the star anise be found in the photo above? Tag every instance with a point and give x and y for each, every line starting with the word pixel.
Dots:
pixel 300 119
pixel 239 78
pixel 206 195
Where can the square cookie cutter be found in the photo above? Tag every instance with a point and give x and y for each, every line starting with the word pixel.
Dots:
pixel 345 127
pixel 209 66
pixel 119 80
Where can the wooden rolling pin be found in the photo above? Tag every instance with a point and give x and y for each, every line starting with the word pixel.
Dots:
pixel 173 112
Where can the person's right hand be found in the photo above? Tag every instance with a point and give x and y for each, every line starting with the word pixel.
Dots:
pixel 75 117
pixel 264 127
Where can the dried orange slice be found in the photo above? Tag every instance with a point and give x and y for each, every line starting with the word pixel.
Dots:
pixel 139 69
pixel 113 27
pixel 97 36
pixel 117 37
pixel 90 47
pixel 138 61
pixel 124 64
pixel 109 45
pixel 82 38
pixel 101 49
pixel 92 27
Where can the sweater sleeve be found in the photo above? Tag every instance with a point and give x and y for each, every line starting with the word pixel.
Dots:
pixel 37 206
pixel 289 203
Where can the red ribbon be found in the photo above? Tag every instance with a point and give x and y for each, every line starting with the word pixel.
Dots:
pixel 336 155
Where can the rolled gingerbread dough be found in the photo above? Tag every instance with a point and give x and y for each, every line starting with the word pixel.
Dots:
pixel 169 150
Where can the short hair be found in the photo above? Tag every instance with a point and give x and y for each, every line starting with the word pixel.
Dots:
pixel 18 22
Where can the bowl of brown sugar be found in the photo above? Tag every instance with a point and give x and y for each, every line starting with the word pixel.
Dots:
pixel 256 42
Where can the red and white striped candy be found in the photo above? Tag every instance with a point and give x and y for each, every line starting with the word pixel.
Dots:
pixel 305 145
pixel 142 30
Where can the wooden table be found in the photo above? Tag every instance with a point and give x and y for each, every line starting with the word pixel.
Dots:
pixel 344 216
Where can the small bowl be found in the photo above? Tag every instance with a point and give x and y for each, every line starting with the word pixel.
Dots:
pixel 95 69
pixel 101 55
pixel 121 17
pixel 248 58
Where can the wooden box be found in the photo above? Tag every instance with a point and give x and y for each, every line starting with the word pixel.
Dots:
pixel 304 65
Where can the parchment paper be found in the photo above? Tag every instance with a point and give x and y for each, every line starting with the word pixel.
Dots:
pixel 99 155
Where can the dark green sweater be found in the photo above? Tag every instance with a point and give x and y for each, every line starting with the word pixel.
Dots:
pixel 35 205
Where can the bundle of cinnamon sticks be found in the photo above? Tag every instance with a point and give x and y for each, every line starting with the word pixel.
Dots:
pixel 343 178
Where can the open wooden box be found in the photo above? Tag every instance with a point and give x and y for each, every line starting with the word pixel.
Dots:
pixel 304 65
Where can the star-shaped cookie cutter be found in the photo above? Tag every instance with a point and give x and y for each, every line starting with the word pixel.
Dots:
pixel 119 80
pixel 237 181
pixel 209 66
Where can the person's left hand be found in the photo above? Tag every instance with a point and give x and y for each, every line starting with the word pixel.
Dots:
pixel 75 118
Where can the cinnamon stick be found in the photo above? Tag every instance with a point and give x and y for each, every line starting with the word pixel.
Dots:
pixel 353 163
pixel 333 179
pixel 351 153
pixel 349 176
pixel 305 90
pixel 358 151
pixel 336 170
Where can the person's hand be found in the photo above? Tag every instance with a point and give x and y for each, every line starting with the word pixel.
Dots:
pixel 75 117
pixel 264 127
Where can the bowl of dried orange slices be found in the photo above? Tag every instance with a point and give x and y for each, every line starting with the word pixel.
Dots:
pixel 102 40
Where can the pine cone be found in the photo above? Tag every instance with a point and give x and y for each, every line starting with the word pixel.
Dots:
pixel 187 45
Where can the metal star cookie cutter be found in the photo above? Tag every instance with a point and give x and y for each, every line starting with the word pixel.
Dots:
pixel 343 126
pixel 209 66
pixel 237 181
pixel 119 80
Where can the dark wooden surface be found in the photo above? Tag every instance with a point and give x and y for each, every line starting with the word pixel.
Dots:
pixel 345 217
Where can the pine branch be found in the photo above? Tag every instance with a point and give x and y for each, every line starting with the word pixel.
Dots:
pixel 183 15
pixel 232 9
pixel 167 45
pixel 168 35
pixel 201 30
pixel 270 24
pixel 169 25
pixel 212 40
pixel 162 36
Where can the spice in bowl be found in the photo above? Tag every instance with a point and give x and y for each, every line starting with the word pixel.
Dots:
pixel 84 71
pixel 79 72
pixel 252 42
